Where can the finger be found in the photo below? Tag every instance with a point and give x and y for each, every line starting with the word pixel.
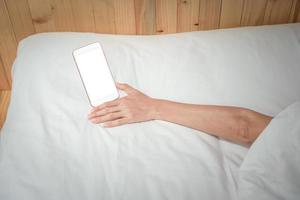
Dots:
pixel 117 122
pixel 107 117
pixel 125 87
pixel 105 105
pixel 103 111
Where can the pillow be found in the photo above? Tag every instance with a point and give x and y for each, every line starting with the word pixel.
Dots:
pixel 254 67
pixel 271 167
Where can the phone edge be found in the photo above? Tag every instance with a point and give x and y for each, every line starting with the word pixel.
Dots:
pixel 118 95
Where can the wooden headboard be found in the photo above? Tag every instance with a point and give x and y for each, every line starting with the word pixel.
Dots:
pixel 20 18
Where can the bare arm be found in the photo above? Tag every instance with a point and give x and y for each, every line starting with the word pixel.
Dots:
pixel 232 123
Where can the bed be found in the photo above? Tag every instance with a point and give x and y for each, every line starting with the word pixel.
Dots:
pixel 49 150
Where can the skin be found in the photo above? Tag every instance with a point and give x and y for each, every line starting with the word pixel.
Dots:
pixel 235 124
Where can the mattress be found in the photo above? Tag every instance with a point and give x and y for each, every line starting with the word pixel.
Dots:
pixel 49 150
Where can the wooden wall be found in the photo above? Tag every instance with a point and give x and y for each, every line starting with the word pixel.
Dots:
pixel 20 18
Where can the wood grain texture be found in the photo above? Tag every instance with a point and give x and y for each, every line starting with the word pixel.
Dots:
pixel 145 17
pixel 253 12
pixel 42 15
pixel 4 102
pixel 104 14
pixel 278 11
pixel 63 15
pixel 8 44
pixel 295 12
pixel 125 17
pixel 20 17
pixel 3 80
pixel 231 13
pixel 209 14
pixel 83 15
pixel 188 15
pixel 166 16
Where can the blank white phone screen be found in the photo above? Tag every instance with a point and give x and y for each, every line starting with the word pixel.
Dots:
pixel 95 73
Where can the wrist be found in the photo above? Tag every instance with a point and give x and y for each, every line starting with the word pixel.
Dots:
pixel 155 112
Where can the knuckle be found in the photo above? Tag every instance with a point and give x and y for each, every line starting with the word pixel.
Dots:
pixel 117 122
pixel 106 110
pixel 122 101
pixel 108 124
pixel 129 114
pixel 97 120
pixel 110 115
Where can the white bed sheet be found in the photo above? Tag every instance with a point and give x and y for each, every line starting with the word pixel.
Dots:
pixel 271 169
pixel 50 151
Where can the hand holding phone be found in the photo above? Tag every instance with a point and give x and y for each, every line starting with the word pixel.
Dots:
pixel 95 74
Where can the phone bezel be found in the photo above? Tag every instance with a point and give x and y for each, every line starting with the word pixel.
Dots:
pixel 106 98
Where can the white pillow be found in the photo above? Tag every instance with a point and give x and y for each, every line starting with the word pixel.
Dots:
pixel 255 67
pixel 271 169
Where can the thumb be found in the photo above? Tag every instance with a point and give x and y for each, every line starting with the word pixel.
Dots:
pixel 125 87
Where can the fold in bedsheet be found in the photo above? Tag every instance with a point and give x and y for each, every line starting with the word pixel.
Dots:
pixel 49 150
pixel 271 168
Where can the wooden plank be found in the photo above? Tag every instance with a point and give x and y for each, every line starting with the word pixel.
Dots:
pixel 295 12
pixel 292 12
pixel 63 15
pixel 145 17
pixel 20 17
pixel 104 16
pixel 83 15
pixel 52 15
pixel 278 11
pixel 254 12
pixel 209 14
pixel 188 15
pixel 4 102
pixel 125 17
pixel 231 13
pixel 166 16
pixel 8 45
pixel 3 80
pixel 42 15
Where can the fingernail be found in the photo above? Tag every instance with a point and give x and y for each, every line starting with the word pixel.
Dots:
pixel 105 125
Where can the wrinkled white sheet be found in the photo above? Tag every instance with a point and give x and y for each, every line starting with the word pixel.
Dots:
pixel 271 169
pixel 49 150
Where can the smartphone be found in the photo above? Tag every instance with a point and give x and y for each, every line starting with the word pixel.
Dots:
pixel 95 74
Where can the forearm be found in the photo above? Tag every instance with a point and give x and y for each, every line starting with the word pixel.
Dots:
pixel 232 123
pixel 235 124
